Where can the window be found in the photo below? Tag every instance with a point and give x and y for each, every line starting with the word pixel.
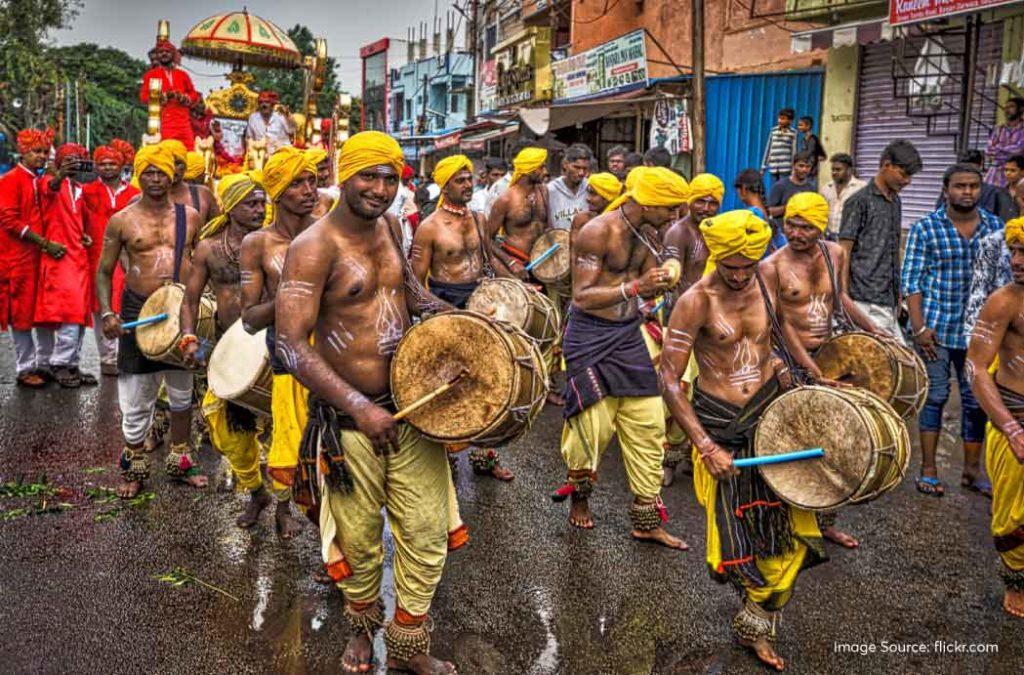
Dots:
pixel 455 103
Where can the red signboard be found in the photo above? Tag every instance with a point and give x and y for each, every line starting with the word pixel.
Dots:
pixel 380 45
pixel 911 11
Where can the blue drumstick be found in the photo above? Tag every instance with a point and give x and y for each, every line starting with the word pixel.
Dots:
pixel 781 458
pixel 156 318
pixel 657 307
pixel 543 256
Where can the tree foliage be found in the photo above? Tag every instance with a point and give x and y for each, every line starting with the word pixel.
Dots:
pixel 290 84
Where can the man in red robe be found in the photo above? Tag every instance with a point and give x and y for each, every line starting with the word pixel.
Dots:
pixel 64 297
pixel 21 240
pixel 104 197
pixel 176 97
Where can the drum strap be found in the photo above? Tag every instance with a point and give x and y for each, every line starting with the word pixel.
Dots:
pixel 798 372
pixel 487 270
pixel 843 320
pixel 193 192
pixel 180 235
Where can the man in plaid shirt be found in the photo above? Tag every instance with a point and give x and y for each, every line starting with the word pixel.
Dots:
pixel 936 280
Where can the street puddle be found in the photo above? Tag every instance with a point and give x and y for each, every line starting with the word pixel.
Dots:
pixel 547 660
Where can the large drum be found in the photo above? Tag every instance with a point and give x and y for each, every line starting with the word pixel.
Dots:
pixel 497 399
pixel 240 369
pixel 866 444
pixel 555 271
pixel 884 367
pixel 521 305
pixel 159 341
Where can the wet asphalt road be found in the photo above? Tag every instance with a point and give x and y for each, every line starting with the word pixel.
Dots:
pixel 528 595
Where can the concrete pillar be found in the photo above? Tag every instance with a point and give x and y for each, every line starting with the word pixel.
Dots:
pixel 839 104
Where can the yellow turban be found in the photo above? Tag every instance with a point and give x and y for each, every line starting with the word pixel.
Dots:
pixel 195 165
pixel 810 206
pixel 653 186
pixel 316 155
pixel 446 170
pixel 177 149
pixel 153 155
pixel 707 185
pixel 733 232
pixel 527 161
pixel 368 149
pixel 231 190
pixel 284 166
pixel 606 185
pixel 1015 231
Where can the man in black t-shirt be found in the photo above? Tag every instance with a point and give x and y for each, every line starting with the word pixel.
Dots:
pixel 797 181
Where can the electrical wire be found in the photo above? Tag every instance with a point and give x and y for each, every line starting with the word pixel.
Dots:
pixel 609 5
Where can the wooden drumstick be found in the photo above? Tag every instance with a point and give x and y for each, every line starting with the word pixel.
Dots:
pixel 416 405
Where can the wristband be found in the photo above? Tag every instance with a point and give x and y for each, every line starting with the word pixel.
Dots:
pixel 1013 429
pixel 106 314
pixel 186 340
pixel 635 289
pixel 622 290
pixel 920 330
pixel 703 445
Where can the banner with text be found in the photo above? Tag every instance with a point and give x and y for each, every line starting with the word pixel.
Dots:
pixel 614 67
pixel 911 11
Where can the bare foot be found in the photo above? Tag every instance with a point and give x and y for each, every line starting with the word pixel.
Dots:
pixel 286 525
pixel 258 501
pixel 321 576
pixel 196 480
pixel 555 399
pixel 501 473
pixel 765 652
pixel 660 536
pixel 579 513
pixel 835 535
pixel 358 656
pixel 668 475
pixel 127 489
pixel 424 664
pixel 1013 603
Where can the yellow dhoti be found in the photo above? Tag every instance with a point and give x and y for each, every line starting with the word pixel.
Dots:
pixel 413 486
pixel 1007 476
pixel 290 411
pixel 240 448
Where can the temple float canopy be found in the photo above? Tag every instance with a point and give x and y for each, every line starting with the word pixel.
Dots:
pixel 241 39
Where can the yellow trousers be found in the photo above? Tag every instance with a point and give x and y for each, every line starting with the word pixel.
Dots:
pixel 240 448
pixel 1007 476
pixel 413 486
pixel 289 407
pixel 639 422
pixel 780 572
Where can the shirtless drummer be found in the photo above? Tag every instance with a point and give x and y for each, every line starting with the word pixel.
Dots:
pixel 810 295
pixel 233 431
pixel 289 179
pixel 157 237
pixel 449 255
pixel 724 320
pixel 611 385
pixel 347 284
pixel 521 213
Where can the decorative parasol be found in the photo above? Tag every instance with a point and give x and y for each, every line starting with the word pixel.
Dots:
pixel 241 39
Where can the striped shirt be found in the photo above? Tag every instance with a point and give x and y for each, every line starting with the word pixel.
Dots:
pixel 939 264
pixel 778 154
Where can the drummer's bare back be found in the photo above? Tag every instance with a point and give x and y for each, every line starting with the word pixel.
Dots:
pixel 522 213
pixel 361 314
pixel 147 236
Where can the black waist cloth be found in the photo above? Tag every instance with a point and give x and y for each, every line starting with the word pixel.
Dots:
pixel 604 358
pixel 321 440
pixel 456 295
pixel 130 358
pixel 240 419
pixel 276 364
pixel 1013 401
pixel 752 521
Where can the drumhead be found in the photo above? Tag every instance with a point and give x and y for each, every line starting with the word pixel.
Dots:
pixel 432 353
pixel 815 417
pixel 557 266
pixel 861 360
pixel 156 339
pixel 238 361
pixel 502 300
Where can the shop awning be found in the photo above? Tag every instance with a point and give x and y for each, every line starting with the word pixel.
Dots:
pixel 478 141
pixel 847 34
pixel 549 118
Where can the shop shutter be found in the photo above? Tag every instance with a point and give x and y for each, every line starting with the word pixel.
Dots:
pixel 882 117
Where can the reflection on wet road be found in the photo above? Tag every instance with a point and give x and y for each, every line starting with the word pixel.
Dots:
pixel 528 595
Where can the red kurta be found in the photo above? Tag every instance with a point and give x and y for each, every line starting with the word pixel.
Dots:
pixel 64 293
pixel 20 208
pixel 174 117
pixel 101 203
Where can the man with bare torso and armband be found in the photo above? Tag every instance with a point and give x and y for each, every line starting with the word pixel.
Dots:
pixel 611 385
pixel 449 255
pixel 157 236
pixel 216 260
pixel 753 539
pixel 999 332
pixel 520 214
pixel 810 295
pixel 602 189
pixel 345 277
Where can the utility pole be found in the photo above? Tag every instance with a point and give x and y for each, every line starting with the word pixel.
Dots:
pixel 471 30
pixel 697 114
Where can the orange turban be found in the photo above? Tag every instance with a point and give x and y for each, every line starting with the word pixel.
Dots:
pixel 31 139
pixel 105 153
pixel 70 150
pixel 126 149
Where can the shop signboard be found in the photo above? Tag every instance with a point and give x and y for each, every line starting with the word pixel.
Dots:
pixel 911 11
pixel 611 68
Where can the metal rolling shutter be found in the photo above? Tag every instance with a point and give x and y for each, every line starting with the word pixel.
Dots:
pixel 882 118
